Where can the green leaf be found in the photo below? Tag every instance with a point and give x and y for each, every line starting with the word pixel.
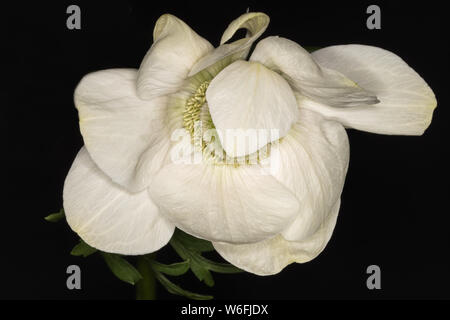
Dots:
pixel 174 269
pixel 218 266
pixel 55 217
pixel 190 248
pixel 174 289
pixel 82 249
pixel 202 273
pixel 121 268
pixel 311 49
pixel 199 271
pixel 193 243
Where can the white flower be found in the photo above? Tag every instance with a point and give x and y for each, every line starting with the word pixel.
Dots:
pixel 125 193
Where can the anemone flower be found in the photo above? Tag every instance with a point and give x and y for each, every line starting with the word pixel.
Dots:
pixel 250 153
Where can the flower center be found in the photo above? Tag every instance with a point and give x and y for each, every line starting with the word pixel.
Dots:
pixel 197 121
pixel 189 109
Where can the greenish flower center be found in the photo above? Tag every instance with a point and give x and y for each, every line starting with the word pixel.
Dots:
pixel 197 121
pixel 190 102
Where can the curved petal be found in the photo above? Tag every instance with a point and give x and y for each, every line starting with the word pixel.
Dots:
pixel 250 106
pixel 125 136
pixel 307 77
pixel 272 255
pixel 255 23
pixel 175 49
pixel 406 101
pixel 108 217
pixel 222 202
pixel 312 162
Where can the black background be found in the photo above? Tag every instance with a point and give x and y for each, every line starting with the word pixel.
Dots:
pixel 393 212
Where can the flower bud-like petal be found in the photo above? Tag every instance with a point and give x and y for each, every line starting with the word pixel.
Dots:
pixel 250 106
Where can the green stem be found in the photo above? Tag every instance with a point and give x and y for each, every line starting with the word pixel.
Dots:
pixel 146 287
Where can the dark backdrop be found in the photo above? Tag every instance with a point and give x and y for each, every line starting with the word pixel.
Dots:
pixel 393 212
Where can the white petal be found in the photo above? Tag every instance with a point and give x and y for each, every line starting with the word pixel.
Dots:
pixel 307 77
pixel 248 103
pixel 223 203
pixel 312 162
pixel 108 217
pixel 175 49
pixel 125 136
pixel 406 101
pixel 255 23
pixel 272 255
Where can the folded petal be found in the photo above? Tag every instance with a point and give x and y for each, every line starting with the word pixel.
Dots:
pixel 125 136
pixel 250 106
pixel 108 217
pixel 255 23
pixel 223 202
pixel 312 162
pixel 176 47
pixel 406 101
pixel 307 77
pixel 272 255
